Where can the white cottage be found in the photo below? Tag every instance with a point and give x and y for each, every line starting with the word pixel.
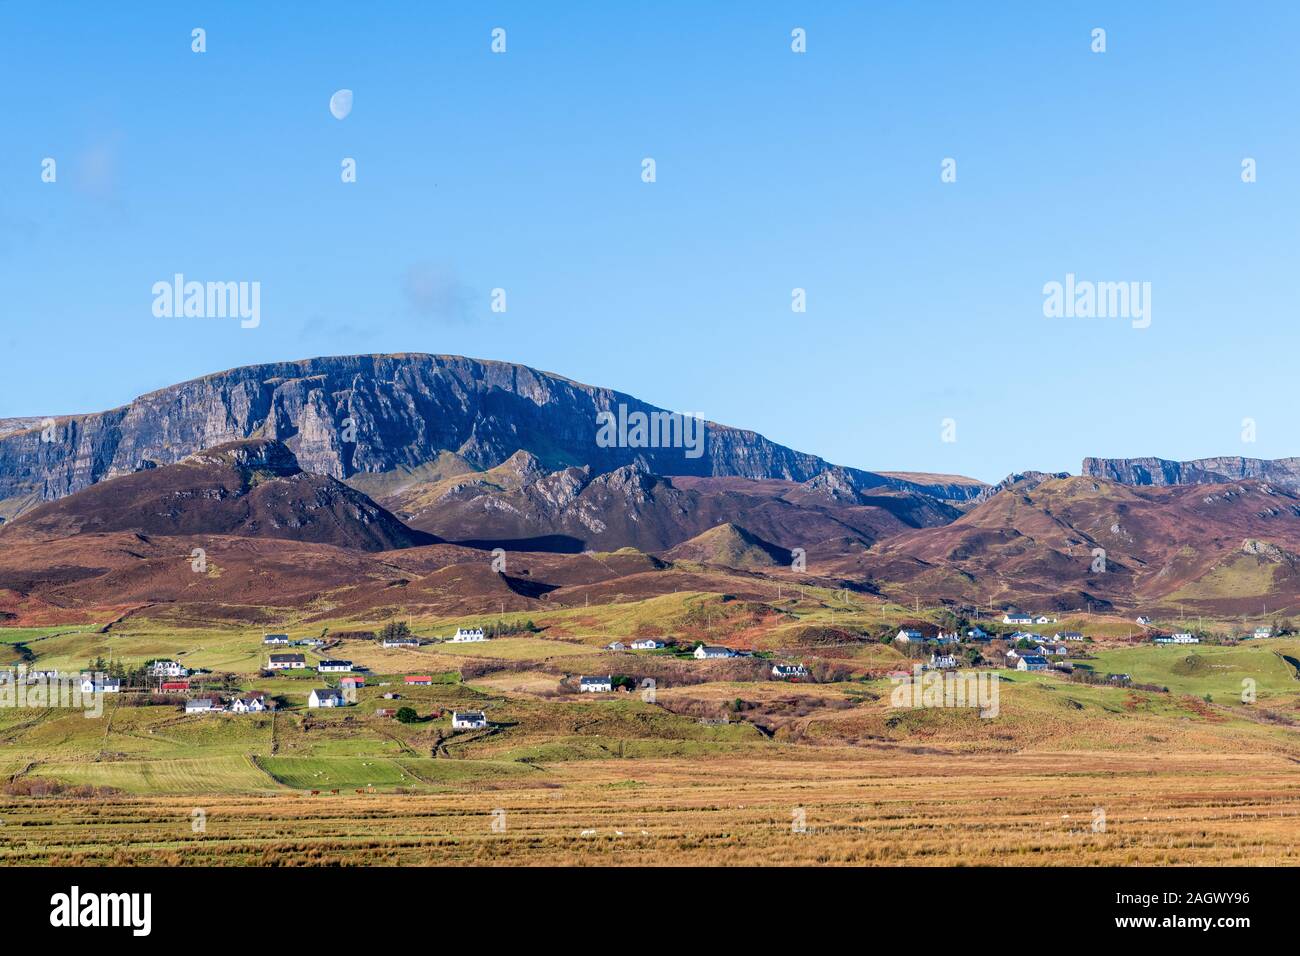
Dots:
pixel 468 720
pixel 325 697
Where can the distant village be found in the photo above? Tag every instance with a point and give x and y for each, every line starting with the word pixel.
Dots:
pixel 166 681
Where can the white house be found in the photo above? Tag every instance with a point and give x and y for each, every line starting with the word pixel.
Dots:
pixel 468 720
pixel 333 667
pixel 1059 650
pixel 401 642
pixel 468 635
pixel 1013 654
pixel 907 635
pixel 1010 618
pixel 276 639
pixel 647 644
pixel 947 638
pixel 284 662
pixel 105 685
pixel 168 669
pixel 325 697
pixel 1185 638
pixel 615 646
pixel 1067 636
pixel 1262 632
pixel 1031 662
pixel 1143 620
pixel 708 652
pixel 247 705
pixel 977 633
pixel 789 671
pixel 201 705
pixel 943 661
pixel 1044 619
pixel 596 685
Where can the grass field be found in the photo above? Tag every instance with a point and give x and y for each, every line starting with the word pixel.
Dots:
pixel 714 766
pixel 833 808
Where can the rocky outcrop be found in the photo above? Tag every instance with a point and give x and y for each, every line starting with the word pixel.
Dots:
pixel 1282 472
pixel 355 414
pixel 1020 481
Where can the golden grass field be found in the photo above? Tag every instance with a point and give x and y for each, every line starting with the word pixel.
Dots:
pixel 718 767
pixel 857 809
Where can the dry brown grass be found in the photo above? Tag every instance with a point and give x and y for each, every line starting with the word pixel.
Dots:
pixel 860 808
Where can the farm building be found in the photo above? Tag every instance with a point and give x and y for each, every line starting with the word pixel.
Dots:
pixel 401 642
pixel 596 685
pixel 1263 632
pixel 419 680
pixel 789 671
pixel 100 685
pixel 615 646
pixel 174 686
pixel 284 662
pixel 468 720
pixel 325 697
pixel 352 680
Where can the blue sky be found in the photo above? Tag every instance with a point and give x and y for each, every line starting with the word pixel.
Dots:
pixel 774 170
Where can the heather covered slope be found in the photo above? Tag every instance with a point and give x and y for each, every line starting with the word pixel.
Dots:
pixel 520 505
pixel 248 489
pixel 1224 548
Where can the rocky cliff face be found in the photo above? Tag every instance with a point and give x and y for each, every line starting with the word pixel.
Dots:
pixel 355 414
pixel 1283 472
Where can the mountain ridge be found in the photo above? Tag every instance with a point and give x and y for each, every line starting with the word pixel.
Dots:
pixel 373 414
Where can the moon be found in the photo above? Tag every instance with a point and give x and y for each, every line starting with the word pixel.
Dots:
pixel 341 104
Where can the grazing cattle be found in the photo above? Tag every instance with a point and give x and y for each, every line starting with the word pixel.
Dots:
pixel 359 790
pixel 315 793
pixel 335 792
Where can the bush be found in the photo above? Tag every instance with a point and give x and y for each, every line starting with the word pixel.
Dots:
pixel 407 715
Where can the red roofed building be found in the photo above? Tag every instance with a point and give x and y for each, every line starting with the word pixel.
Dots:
pixel 176 685
pixel 352 680
pixel 422 679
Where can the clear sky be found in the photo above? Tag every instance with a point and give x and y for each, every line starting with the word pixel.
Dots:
pixel 775 170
